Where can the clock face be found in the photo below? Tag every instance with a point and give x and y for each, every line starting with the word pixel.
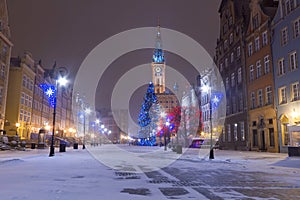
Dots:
pixel 157 69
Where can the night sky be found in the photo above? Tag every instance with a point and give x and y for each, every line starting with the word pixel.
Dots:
pixel 65 31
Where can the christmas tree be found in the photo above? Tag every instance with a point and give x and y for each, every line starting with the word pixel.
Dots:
pixel 147 119
pixel 149 98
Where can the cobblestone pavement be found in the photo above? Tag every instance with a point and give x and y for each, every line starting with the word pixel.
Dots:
pixel 231 175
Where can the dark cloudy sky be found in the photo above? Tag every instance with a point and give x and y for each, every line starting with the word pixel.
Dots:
pixel 65 31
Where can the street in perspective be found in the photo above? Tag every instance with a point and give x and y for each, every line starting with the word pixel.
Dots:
pixel 78 174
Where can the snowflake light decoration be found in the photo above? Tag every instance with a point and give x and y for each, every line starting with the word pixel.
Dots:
pixel 50 91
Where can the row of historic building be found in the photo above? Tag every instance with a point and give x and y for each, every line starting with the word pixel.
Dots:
pixel 24 108
pixel 256 55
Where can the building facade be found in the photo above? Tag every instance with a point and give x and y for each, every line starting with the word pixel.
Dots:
pixel 286 49
pixel 260 82
pixel 230 59
pixel 5 48
pixel 20 96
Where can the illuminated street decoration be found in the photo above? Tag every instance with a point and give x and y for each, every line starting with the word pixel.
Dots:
pixel 150 98
pixel 50 91
pixel 216 100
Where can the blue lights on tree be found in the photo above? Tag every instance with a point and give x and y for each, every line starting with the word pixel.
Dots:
pixel 149 98
pixel 50 92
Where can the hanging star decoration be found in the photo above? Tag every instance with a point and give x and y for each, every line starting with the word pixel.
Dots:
pixel 50 92
pixel 216 99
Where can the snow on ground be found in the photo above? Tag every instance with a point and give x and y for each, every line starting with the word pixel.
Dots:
pixel 81 174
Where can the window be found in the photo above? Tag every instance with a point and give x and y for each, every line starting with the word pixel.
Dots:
pixel 233 103
pixel 281 68
pixel 267 64
pixel 282 95
pixel 226 62
pixel 225 27
pixel 235 132
pixel 284 36
pixel 231 57
pixel 293 61
pixel 238 51
pixel 255 21
pixel 228 133
pixel 225 45
pixel 289 6
pixel 258 69
pixel 250 50
pixel 241 102
pixel 296 28
pixel 221 67
pixel 231 38
pixel 255 137
pixel 242 127
pixel 240 75
pixel 260 98
pixel 24 81
pixel 230 20
pixel 251 69
pixel 2 71
pixel 295 94
pixel 264 38
pixel 252 100
pixel 257 44
pixel 22 98
pixel 227 83
pixel 232 80
pixel 1 94
pixel 21 115
pixel 271 137
pixel 268 95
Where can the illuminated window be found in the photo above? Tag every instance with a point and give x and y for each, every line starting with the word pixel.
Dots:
pixel 267 64
pixel 293 61
pixel 282 95
pixel 258 69
pixel 268 95
pixel 295 91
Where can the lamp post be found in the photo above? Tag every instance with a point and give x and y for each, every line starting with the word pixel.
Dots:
pixel 165 134
pixel 207 90
pixel 60 81
pixel 86 112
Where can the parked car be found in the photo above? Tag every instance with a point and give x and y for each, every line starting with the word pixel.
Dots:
pixel 196 143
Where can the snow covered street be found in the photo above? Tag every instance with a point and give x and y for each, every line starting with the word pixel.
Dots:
pixel 132 172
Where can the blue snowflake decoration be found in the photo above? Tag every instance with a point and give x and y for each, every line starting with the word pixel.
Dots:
pixel 216 98
pixel 50 92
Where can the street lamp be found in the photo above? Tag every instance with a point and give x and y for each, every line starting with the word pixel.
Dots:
pixel 165 137
pixel 61 81
pixel 207 90
pixel 87 111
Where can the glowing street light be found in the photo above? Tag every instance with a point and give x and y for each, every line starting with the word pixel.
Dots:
pixel 207 89
pixel 87 111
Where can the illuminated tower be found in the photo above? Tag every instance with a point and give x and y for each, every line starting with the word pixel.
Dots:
pixel 158 65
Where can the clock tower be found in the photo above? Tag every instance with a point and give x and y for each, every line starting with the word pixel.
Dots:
pixel 158 65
